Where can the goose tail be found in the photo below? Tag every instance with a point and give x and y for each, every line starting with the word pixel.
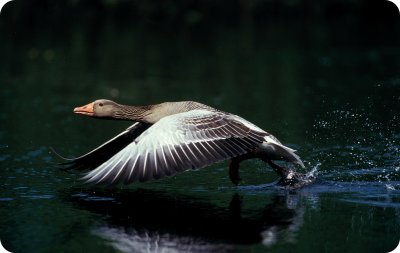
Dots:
pixel 272 150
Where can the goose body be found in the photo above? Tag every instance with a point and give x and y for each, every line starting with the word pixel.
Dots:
pixel 171 138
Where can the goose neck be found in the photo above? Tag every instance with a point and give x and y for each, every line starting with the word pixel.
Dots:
pixel 133 113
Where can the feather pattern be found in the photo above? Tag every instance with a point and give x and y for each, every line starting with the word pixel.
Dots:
pixel 183 141
pixel 104 152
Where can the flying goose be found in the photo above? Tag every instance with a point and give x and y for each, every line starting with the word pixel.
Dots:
pixel 173 137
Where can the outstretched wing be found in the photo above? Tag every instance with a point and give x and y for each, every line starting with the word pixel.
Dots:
pixel 104 152
pixel 177 143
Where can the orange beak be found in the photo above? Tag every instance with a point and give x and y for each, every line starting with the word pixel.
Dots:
pixel 85 110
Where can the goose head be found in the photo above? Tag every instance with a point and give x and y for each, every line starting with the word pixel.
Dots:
pixel 102 108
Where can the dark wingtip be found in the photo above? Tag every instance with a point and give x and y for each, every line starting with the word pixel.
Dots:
pixel 60 156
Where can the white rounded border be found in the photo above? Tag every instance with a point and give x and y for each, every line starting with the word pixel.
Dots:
pixel 394 4
pixel 1 8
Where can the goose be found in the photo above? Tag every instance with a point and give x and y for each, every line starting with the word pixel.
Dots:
pixel 173 137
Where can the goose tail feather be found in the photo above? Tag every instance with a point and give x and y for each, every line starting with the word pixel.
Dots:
pixel 272 150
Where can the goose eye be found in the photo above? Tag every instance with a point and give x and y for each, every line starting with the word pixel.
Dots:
pixel 100 104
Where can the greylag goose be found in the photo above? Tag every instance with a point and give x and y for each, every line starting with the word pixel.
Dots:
pixel 173 137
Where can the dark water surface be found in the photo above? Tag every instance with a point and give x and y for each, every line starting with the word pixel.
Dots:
pixel 323 78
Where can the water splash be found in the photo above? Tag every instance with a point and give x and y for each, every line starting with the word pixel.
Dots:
pixel 355 146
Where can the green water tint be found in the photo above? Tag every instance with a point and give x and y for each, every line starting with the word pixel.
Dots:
pixel 324 84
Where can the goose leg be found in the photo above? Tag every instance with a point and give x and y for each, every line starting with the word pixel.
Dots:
pixel 233 170
pixel 285 172
pixel 282 171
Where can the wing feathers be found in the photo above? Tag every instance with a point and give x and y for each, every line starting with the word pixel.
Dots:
pixel 133 168
pixel 119 177
pixel 217 150
pixel 177 143
pixel 103 153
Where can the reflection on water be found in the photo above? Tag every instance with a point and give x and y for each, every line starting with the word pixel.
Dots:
pixel 190 226
pixel 130 240
pixel 152 221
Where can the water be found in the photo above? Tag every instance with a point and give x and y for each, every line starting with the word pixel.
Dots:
pixel 324 84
